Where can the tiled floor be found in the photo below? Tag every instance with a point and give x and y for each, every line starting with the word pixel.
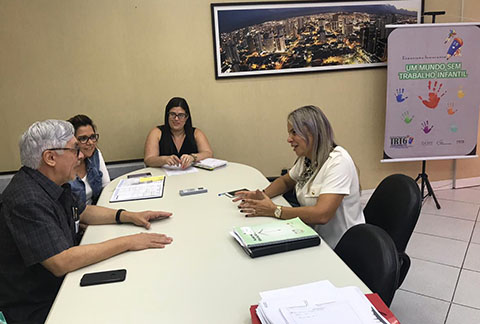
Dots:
pixel 443 283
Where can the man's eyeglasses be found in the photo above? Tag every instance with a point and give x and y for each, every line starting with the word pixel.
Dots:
pixel 74 149
pixel 181 116
pixel 84 139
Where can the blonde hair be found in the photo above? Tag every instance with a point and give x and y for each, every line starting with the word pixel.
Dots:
pixel 310 120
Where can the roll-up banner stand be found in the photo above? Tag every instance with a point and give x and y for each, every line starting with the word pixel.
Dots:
pixel 433 92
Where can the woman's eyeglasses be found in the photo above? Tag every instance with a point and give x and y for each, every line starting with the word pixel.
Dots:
pixel 180 116
pixel 84 139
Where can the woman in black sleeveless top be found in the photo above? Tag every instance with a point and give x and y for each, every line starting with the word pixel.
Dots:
pixel 176 142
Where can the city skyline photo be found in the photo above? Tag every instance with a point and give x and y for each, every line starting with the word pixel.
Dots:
pixel 270 38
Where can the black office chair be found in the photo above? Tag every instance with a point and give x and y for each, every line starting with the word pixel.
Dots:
pixel 370 252
pixel 395 206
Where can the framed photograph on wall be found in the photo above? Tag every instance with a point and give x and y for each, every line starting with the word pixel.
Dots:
pixel 265 38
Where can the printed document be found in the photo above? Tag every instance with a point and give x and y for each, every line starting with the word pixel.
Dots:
pixel 139 188
pixel 172 170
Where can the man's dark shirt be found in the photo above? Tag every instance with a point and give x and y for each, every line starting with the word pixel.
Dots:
pixel 35 224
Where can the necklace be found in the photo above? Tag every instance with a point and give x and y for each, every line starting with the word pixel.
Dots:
pixel 308 169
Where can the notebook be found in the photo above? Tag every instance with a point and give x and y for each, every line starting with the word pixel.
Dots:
pixel 279 236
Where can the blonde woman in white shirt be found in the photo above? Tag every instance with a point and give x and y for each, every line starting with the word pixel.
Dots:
pixel 324 177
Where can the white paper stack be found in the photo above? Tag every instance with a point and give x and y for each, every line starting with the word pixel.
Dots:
pixel 173 170
pixel 317 303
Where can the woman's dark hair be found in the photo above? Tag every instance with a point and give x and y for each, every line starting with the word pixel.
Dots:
pixel 81 120
pixel 182 103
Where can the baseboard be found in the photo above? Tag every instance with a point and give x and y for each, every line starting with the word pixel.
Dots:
pixel 443 185
pixel 459 184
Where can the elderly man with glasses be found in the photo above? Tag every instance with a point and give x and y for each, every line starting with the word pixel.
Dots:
pixel 39 220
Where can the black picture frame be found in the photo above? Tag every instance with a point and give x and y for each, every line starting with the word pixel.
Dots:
pixel 269 38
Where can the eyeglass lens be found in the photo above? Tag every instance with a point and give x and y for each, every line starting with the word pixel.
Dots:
pixel 180 115
pixel 84 139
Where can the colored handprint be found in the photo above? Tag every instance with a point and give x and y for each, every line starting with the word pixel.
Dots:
pixel 460 92
pixel 433 97
pixel 399 95
pixel 453 128
pixel 426 128
pixel 406 117
pixel 450 108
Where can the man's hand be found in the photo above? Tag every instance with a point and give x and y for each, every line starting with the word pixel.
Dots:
pixel 144 241
pixel 259 205
pixel 143 218
pixel 82 255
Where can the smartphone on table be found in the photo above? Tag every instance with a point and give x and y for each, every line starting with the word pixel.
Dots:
pixel 97 278
pixel 232 193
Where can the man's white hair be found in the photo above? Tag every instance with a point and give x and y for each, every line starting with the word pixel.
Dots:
pixel 41 136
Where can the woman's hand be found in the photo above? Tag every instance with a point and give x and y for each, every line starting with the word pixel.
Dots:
pixel 240 195
pixel 256 203
pixel 173 160
pixel 186 160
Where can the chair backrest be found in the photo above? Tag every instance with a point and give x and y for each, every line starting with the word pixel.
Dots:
pixel 370 252
pixel 395 206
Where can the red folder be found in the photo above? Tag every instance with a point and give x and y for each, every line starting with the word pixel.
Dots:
pixel 375 299
pixel 253 314
pixel 382 308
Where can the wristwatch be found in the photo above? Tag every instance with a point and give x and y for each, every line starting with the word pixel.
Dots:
pixel 278 212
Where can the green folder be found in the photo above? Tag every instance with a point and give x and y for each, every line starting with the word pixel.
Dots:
pixel 275 237
pixel 2 319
